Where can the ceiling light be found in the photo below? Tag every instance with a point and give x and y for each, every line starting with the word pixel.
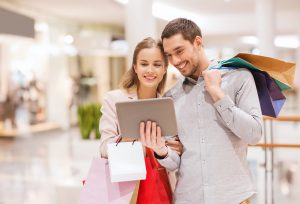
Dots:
pixel 124 2
pixel 287 41
pixel 168 13
pixel 68 39
pixel 252 40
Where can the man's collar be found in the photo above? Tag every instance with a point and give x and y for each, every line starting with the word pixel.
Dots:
pixel 191 81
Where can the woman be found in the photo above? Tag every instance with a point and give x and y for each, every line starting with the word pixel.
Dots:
pixel 145 79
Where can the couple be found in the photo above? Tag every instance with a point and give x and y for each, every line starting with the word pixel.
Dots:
pixel 218 115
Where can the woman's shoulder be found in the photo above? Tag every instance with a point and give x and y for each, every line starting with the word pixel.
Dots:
pixel 118 95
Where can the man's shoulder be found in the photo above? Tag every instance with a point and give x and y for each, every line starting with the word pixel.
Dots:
pixel 239 77
pixel 174 89
pixel 240 74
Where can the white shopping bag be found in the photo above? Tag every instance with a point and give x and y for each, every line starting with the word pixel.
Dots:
pixel 126 161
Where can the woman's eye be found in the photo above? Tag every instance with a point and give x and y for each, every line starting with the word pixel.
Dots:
pixel 157 65
pixel 144 64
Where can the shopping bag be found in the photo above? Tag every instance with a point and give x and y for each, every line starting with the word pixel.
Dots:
pixel 156 188
pixel 98 189
pixel 282 72
pixel 271 71
pixel 135 193
pixel 271 98
pixel 126 161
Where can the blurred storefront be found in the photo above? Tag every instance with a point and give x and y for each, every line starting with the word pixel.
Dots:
pixel 44 77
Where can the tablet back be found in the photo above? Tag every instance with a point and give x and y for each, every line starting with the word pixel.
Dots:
pixel 160 110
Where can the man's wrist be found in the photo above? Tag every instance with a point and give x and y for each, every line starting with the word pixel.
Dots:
pixel 216 93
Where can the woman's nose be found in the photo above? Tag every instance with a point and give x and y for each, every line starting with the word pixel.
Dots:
pixel 150 69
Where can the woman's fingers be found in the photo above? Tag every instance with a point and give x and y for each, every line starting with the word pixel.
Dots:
pixel 142 133
pixel 160 141
pixel 153 134
pixel 148 133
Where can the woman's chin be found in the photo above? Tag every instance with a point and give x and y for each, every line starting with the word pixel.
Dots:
pixel 150 84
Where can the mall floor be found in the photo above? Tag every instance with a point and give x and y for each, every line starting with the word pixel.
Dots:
pixel 48 168
pixel 45 168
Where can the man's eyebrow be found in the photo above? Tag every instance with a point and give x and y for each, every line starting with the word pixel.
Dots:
pixel 175 49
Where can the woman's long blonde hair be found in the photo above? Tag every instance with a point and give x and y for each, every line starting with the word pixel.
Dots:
pixel 130 80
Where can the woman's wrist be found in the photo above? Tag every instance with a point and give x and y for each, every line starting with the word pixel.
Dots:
pixel 162 151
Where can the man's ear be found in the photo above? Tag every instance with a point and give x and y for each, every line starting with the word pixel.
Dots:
pixel 198 42
pixel 165 68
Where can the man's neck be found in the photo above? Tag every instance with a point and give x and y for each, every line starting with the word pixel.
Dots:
pixel 202 67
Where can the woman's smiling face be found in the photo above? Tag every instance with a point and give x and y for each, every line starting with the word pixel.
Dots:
pixel 150 67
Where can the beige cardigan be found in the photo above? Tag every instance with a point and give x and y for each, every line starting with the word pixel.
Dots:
pixel 109 125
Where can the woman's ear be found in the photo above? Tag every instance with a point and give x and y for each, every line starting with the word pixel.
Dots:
pixel 134 68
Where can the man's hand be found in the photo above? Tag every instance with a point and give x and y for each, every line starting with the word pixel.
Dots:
pixel 212 81
pixel 175 145
pixel 151 137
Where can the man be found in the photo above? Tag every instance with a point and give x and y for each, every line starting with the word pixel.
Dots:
pixel 218 115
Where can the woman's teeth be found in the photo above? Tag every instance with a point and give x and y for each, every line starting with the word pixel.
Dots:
pixel 150 78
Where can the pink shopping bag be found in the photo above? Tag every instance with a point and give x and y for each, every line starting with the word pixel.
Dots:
pixel 98 189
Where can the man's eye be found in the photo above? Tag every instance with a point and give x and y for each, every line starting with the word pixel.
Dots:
pixel 179 51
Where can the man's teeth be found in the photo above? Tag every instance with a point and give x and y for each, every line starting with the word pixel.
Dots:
pixel 182 65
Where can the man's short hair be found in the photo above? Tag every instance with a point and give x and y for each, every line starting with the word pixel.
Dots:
pixel 186 27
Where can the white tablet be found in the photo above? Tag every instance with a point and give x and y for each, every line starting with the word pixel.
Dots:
pixel 160 110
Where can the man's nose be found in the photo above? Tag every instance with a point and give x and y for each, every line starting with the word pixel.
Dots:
pixel 175 60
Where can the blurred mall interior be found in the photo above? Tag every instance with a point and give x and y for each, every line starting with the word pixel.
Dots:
pixel 57 58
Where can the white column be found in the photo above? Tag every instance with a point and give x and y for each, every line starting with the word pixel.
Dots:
pixel 297 74
pixel 265 29
pixel 58 82
pixel 3 72
pixel 102 75
pixel 140 23
pixel 58 90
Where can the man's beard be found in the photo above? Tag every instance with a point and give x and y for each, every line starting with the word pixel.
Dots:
pixel 192 72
